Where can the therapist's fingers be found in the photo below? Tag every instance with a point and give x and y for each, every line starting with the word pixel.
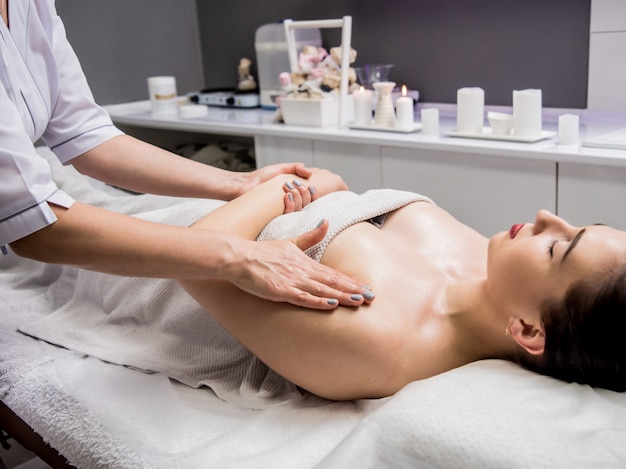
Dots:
pixel 302 171
pixel 327 282
pixel 279 271
pixel 247 181
pixel 268 172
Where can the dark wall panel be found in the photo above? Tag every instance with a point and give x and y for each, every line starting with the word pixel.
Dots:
pixel 437 46
pixel 122 42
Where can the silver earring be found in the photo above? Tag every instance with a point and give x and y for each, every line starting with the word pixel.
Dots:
pixel 507 331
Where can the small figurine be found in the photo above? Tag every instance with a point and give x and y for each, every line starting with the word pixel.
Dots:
pixel 246 80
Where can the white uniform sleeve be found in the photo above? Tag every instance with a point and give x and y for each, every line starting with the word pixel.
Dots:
pixel 26 180
pixel 73 122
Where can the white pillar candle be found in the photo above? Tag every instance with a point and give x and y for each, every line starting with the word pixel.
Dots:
pixel 470 115
pixel 362 107
pixel 527 113
pixel 405 112
pixel 162 91
pixel 430 121
pixel 568 129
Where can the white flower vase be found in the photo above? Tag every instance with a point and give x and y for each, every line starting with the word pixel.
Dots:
pixel 385 115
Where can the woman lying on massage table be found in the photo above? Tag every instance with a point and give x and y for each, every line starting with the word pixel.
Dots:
pixel 547 295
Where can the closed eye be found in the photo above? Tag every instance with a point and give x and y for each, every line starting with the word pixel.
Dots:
pixel 551 247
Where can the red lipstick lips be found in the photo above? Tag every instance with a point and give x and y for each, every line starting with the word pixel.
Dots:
pixel 515 229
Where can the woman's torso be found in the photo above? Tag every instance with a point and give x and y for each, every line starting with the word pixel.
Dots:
pixel 409 262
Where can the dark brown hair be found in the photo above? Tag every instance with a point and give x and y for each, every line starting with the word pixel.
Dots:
pixel 586 333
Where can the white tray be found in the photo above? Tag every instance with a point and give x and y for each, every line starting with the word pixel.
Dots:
pixel 615 140
pixel 416 128
pixel 489 135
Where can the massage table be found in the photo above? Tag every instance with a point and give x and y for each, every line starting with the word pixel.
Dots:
pixel 80 407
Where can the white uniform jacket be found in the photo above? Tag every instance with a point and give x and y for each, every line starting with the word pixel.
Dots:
pixel 43 95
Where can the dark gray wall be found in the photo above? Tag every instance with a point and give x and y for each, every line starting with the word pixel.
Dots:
pixel 122 42
pixel 437 46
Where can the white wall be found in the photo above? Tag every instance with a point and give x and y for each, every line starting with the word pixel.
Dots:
pixel 607 56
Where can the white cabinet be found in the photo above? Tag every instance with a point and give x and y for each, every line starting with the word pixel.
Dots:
pixel 270 150
pixel 488 193
pixel 357 164
pixel 592 194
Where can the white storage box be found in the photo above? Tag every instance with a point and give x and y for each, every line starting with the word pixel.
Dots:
pixel 319 112
pixel 314 112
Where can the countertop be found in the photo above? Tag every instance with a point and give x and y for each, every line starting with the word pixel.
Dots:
pixel 259 122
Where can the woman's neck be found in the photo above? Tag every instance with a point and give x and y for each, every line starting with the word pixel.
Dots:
pixel 478 326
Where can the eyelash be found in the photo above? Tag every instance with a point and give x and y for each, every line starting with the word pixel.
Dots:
pixel 551 247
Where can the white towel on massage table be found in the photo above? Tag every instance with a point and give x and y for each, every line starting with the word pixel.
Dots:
pixel 153 325
pixel 489 414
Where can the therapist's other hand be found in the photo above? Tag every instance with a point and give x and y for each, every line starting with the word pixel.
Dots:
pixel 247 181
pixel 281 272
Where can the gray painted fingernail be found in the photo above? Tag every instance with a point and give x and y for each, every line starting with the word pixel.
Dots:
pixel 320 223
pixel 312 190
pixel 290 196
pixel 356 297
pixel 289 185
pixel 332 301
pixel 368 295
pixel 297 183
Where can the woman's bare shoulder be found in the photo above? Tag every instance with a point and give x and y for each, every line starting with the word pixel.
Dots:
pixel 419 214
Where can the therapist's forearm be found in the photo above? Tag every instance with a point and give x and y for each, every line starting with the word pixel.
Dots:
pixel 127 162
pixel 104 241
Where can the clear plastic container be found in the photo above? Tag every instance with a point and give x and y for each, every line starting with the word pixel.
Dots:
pixel 369 74
pixel 272 57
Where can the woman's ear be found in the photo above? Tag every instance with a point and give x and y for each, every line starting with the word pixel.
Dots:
pixel 530 337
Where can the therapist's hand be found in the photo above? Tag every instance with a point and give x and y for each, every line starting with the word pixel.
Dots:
pixel 250 180
pixel 280 271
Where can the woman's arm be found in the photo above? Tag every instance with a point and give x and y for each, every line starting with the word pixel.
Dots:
pixel 338 355
pixel 333 355
pixel 132 164
pixel 247 215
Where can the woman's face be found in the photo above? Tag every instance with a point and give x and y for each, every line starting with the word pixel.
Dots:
pixel 532 263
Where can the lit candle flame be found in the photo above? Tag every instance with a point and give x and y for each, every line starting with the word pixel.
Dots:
pixel 403 90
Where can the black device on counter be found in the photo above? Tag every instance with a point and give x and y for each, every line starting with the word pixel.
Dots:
pixel 226 97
